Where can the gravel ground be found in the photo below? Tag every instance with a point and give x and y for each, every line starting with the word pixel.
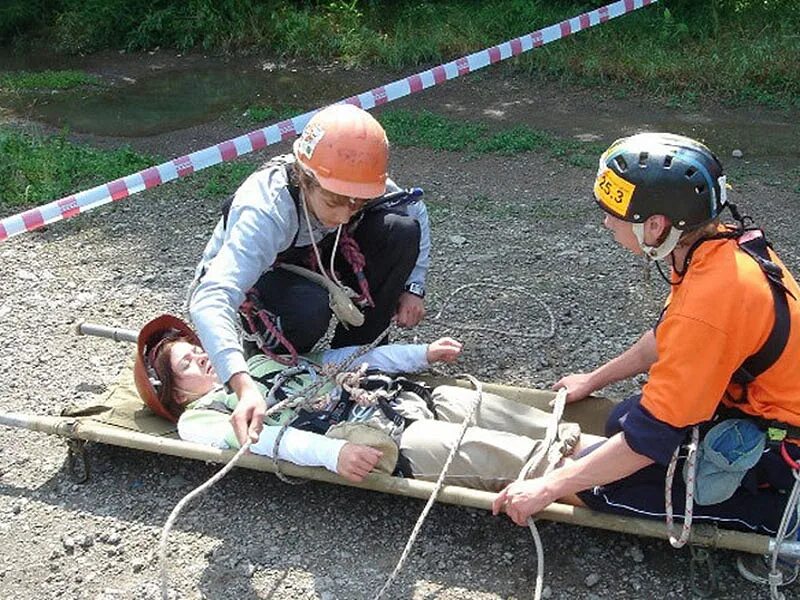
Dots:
pixel 522 223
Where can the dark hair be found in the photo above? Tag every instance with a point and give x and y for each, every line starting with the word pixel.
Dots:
pixel 160 362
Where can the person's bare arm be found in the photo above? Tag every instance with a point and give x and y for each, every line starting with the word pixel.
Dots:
pixel 635 360
pixel 610 462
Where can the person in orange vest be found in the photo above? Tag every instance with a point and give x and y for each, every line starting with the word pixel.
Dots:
pixel 723 356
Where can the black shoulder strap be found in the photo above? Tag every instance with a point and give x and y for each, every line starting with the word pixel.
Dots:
pixel 755 245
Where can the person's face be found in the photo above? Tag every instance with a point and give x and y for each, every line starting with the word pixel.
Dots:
pixel 192 371
pixel 623 233
pixel 332 209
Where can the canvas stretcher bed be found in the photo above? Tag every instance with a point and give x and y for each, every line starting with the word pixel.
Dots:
pixel 120 419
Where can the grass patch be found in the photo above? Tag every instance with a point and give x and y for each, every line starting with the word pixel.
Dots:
pixel 45 80
pixel 261 115
pixel 220 181
pixel 36 169
pixel 428 130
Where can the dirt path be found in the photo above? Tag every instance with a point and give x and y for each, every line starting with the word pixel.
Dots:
pixel 523 221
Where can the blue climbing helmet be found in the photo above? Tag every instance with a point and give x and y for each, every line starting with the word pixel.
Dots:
pixel 660 174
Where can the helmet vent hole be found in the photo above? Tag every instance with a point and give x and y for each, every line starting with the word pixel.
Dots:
pixel 690 172
pixel 643 156
pixel 667 161
pixel 700 189
pixel 621 164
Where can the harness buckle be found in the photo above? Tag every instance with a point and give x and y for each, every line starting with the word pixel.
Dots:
pixel 776 433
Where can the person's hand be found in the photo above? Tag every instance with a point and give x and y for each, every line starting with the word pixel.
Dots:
pixel 356 461
pixel 248 416
pixel 578 386
pixel 410 310
pixel 522 499
pixel 443 350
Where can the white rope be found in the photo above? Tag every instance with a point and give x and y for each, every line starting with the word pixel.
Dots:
pixel 504 332
pixel 559 402
pixel 691 460
pixel 437 488
pixel 792 505
pixel 162 545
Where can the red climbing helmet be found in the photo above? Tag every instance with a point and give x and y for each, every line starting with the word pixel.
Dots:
pixel 150 340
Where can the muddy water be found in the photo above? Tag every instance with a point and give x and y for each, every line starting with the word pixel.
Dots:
pixel 166 97
pixel 157 94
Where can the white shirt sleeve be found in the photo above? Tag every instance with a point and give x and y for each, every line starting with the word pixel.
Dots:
pixel 212 428
pixel 391 358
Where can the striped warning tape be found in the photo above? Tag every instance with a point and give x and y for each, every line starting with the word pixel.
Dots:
pixel 73 205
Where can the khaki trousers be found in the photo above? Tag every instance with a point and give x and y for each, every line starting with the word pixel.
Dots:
pixel 502 437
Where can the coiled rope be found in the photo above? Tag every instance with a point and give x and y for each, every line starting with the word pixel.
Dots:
pixel 688 511
pixel 549 333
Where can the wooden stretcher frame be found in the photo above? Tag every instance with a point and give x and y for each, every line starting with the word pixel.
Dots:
pixel 590 413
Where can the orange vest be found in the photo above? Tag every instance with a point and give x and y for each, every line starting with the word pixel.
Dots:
pixel 717 316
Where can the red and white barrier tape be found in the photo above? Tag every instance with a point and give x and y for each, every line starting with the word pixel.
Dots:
pixel 73 205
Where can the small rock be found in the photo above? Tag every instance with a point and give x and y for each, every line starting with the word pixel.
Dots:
pixel 737 153
pixel 176 482
pixel 547 592
pixel 247 568
pixel 458 240
pixel 26 275
pixel 113 538
pixel 138 566
pixel 592 579
pixel 636 554
pixel 86 541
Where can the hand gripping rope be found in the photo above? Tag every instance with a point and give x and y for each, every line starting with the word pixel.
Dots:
pixel 113 191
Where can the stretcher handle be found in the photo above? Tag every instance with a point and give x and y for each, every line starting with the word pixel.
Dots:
pixel 115 333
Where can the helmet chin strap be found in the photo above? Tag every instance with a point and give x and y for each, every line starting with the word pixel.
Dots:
pixel 661 251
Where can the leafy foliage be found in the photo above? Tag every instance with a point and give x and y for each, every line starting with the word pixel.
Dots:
pixel 745 50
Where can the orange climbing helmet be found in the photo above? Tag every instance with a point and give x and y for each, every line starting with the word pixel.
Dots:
pixel 347 151
pixel 147 380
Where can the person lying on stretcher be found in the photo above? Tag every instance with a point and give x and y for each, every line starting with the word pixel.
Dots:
pixel 409 431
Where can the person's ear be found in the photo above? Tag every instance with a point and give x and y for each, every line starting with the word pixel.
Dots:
pixel 656 227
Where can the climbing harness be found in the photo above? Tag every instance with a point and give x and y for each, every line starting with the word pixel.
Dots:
pixel 272 339
pixel 308 397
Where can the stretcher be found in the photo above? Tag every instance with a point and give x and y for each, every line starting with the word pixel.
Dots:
pixel 120 419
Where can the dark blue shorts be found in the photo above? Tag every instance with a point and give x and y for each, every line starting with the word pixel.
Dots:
pixel 757 505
